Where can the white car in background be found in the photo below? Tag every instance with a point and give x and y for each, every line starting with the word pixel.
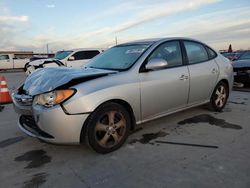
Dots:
pixel 68 58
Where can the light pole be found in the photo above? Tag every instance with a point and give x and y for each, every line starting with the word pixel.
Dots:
pixel 47 46
pixel 116 40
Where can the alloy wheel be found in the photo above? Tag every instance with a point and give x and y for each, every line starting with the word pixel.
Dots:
pixel 221 96
pixel 110 129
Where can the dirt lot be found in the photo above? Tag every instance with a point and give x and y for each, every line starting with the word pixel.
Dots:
pixel 193 148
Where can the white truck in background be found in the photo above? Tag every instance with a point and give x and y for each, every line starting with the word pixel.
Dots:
pixel 77 57
pixel 10 61
pixel 69 58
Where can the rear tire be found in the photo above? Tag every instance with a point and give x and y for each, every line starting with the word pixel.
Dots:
pixel 107 128
pixel 219 97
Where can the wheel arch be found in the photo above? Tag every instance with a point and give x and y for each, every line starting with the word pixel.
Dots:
pixel 128 107
pixel 212 104
pixel 121 102
pixel 226 82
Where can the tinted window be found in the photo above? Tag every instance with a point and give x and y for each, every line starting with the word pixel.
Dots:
pixel 85 54
pixel 79 55
pixel 196 52
pixel 91 54
pixel 170 51
pixel 4 57
pixel 245 55
pixel 211 53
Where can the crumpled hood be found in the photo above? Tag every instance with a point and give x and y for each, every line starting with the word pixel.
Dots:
pixel 241 63
pixel 48 79
pixel 39 61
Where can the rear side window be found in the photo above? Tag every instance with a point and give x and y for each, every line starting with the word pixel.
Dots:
pixel 196 52
pixel 85 54
pixel 211 54
pixel 170 51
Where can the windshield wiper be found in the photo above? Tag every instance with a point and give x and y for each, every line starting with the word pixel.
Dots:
pixel 104 68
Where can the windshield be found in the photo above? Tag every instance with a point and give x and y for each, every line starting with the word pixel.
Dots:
pixel 119 57
pixel 62 54
pixel 245 55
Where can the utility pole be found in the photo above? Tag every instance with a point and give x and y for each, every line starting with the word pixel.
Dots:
pixel 47 48
pixel 116 40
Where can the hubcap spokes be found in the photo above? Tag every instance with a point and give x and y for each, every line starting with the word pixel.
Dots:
pixel 221 96
pixel 110 129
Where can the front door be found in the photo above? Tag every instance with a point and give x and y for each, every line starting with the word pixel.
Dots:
pixel 164 90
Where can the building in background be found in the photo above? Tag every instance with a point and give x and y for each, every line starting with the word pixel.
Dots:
pixel 27 54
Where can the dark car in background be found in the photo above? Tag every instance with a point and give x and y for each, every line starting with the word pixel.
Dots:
pixel 232 55
pixel 242 68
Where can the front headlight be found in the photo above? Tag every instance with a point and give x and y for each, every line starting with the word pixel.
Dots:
pixel 54 97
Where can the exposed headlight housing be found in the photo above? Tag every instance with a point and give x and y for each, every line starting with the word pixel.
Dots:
pixel 54 97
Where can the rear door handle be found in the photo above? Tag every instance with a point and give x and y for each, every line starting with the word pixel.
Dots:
pixel 214 70
pixel 183 77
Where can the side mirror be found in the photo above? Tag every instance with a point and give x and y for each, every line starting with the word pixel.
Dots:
pixel 156 64
pixel 71 58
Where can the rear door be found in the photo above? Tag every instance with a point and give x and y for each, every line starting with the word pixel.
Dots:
pixel 203 71
pixel 19 63
pixel 82 57
pixel 164 90
pixel 6 62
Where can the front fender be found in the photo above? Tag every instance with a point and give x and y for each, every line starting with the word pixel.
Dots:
pixel 80 104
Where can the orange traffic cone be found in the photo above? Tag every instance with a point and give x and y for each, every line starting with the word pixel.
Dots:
pixel 4 92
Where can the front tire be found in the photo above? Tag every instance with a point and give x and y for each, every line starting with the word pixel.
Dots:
pixel 107 128
pixel 219 97
pixel 26 66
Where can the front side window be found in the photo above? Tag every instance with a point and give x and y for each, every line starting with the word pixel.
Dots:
pixel 79 55
pixel 196 52
pixel 170 51
pixel 85 54
pixel 4 57
pixel 119 57
pixel 90 54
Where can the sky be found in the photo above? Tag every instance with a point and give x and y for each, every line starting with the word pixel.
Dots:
pixel 63 24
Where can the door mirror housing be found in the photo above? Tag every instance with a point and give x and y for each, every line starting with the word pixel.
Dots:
pixel 156 64
pixel 71 58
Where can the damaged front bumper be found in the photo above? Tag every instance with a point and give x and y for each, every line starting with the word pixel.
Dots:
pixel 49 124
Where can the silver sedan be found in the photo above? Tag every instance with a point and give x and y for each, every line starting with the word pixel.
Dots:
pixel 127 85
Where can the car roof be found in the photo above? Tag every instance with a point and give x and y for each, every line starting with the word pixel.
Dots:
pixel 154 40
pixel 82 49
